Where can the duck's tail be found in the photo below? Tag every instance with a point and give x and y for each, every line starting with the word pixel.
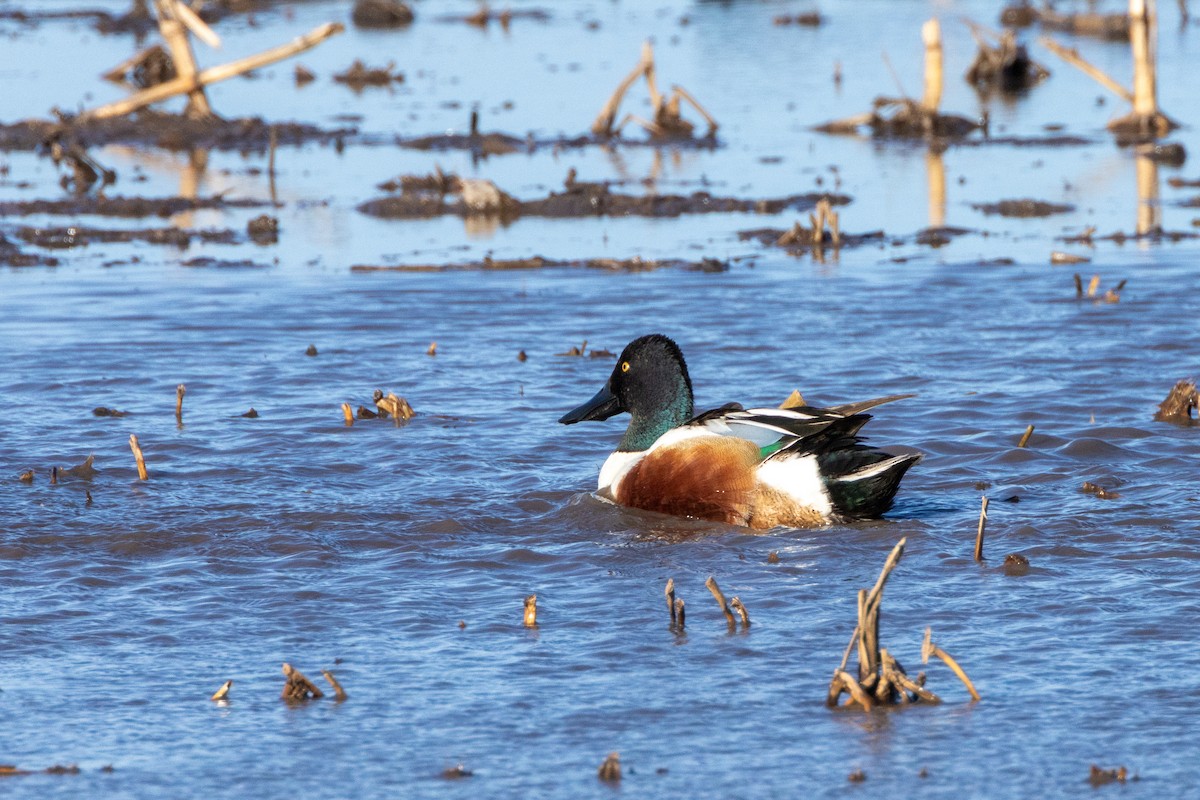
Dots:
pixel 862 481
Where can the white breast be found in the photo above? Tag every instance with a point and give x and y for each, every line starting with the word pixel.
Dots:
pixel 617 466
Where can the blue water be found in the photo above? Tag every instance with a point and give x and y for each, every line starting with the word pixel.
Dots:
pixel 292 537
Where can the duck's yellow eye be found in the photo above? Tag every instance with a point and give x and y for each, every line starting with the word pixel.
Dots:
pixel 624 366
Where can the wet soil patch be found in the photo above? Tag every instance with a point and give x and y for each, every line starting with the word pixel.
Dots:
pixel 485 16
pixel 208 262
pixel 1023 208
pixel 499 143
pixel 381 14
pixel 66 237
pixel 359 76
pixel 168 131
pixel 1114 27
pixel 122 206
pixel 797 241
pixel 538 262
pixel 582 200
pixel 137 20
pixel 13 256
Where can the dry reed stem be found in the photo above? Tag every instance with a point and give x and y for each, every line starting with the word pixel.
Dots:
pixel 979 533
pixel 348 414
pixel 1025 436
pixel 680 620
pixel 298 687
pixel 855 689
pixel 736 605
pixel 711 583
pixel 137 456
pixel 173 31
pixel 531 611
pixel 197 26
pixel 670 593
pixel 181 85
pixel 339 694
pixel 610 770
pixel 712 123
pixel 1072 57
pixel 928 648
pixel 1143 31
pixel 603 125
pixel 223 692
pixel 180 391
pixel 931 35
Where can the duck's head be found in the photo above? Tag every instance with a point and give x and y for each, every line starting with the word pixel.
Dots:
pixel 650 381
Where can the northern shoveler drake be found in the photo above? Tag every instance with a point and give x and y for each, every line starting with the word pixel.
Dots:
pixel 761 467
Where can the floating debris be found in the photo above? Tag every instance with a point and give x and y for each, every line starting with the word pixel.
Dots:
pixel 456 772
pixel 1099 491
pixel 1099 776
pixel 773 557
pixel 359 76
pixel 1058 257
pixel 311 350
pixel 575 352
pixel 180 391
pixel 1023 208
pixel 251 414
pixel 223 692
pixel 521 356
pixel 391 405
pixel 432 351
pixel 1179 404
pixel 298 688
pixel 303 75
pixel 263 229
pixel 1016 564
pixel 857 776
pixel 811 19
pixel 348 414
pixel 610 770
pixel 26 476
pixel 531 611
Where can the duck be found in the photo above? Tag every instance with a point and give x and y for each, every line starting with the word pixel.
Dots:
pixel 760 468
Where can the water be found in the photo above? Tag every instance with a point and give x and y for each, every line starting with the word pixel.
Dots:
pixel 291 537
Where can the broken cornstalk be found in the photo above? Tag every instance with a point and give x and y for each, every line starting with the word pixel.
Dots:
pixel 668 121
pixel 881 679
pixel 1146 121
pixel 904 117
pixel 186 84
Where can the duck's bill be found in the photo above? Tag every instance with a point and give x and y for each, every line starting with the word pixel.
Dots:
pixel 604 405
